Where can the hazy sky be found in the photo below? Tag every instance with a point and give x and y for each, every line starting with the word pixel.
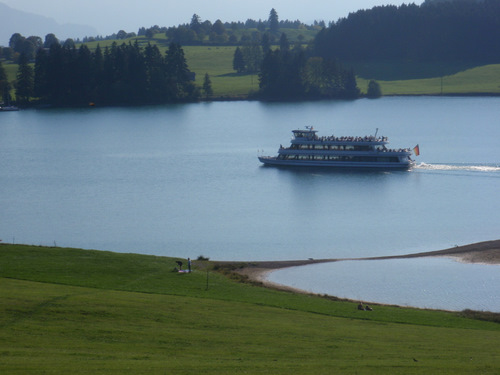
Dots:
pixel 109 16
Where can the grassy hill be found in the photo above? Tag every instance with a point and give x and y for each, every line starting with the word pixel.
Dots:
pixel 481 80
pixel 81 311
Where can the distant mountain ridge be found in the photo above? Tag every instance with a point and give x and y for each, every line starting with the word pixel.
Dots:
pixel 28 24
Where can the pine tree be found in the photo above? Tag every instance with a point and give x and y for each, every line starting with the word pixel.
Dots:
pixel 270 74
pixel 374 90
pixel 284 43
pixel 273 21
pixel 195 24
pixel 252 55
pixel 238 61
pixel 83 73
pixel 180 85
pixel 25 81
pixel 41 82
pixel 265 42
pixel 350 86
pixel 207 86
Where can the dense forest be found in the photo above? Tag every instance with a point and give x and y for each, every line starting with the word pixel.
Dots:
pixel 126 74
pixel 459 30
pixel 293 74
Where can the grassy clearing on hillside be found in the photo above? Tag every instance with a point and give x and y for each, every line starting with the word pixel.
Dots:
pixel 218 63
pixel 81 311
pixel 405 70
pixel 11 71
pixel 479 80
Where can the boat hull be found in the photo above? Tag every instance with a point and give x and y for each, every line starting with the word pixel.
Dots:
pixel 273 161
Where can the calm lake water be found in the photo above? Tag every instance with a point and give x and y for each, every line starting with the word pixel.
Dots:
pixel 184 180
pixel 436 283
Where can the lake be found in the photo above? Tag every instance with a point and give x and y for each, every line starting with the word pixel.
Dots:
pixel 435 283
pixel 184 180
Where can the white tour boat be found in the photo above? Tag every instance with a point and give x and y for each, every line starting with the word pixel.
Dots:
pixel 370 152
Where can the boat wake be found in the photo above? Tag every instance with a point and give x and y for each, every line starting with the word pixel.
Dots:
pixel 459 167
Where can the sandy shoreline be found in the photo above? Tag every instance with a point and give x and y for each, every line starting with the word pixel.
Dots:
pixel 487 252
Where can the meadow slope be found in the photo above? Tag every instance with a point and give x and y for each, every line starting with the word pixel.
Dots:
pixel 84 311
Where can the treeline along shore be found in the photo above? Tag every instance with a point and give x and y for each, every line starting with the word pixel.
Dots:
pixel 292 61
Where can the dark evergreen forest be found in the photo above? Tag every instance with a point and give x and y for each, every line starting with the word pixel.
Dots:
pixel 295 74
pixel 459 30
pixel 122 74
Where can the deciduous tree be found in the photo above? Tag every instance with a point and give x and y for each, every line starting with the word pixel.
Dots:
pixel 50 39
pixel 15 41
pixel 218 27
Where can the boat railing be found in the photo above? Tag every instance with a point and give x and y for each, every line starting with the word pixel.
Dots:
pixel 341 139
pixel 383 150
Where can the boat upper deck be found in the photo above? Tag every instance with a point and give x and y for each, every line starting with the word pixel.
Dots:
pixel 310 136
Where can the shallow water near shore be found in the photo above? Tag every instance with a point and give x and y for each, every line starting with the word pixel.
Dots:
pixel 184 180
pixel 435 283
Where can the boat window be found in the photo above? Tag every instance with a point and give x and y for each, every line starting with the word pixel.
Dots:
pixel 387 160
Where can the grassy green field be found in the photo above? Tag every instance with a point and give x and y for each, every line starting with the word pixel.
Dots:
pixel 218 63
pixel 474 81
pixel 11 71
pixel 81 311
